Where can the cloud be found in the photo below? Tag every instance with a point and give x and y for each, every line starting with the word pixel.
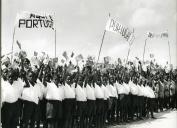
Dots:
pixel 118 50
pixel 145 17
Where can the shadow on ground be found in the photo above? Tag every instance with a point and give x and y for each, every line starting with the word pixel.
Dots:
pixel 158 116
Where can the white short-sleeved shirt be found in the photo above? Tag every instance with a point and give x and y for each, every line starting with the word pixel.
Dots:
pixel 52 91
pixel 110 90
pixel 151 92
pixel 136 89
pixel 120 88
pixel 132 88
pixel 106 92
pixel 99 92
pixel 30 94
pixel 39 87
pixel 18 86
pixel 9 93
pixel 61 92
pixel 127 88
pixel 115 90
pixel 146 91
pixel 90 92
pixel 69 92
pixel 80 93
pixel 140 91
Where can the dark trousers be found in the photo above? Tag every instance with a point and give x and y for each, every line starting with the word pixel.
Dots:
pixel 176 100
pixel 29 114
pixel 112 109
pixel 10 113
pixel 133 106
pixel 106 108
pixel 118 109
pixel 140 106
pixel 81 113
pixel 99 113
pixel 156 104
pixel 90 113
pixel 68 112
pixel 161 103
pixel 144 110
pixel 123 107
pixel 172 101
pixel 54 114
pixel 150 106
pixel 166 102
pixel 41 113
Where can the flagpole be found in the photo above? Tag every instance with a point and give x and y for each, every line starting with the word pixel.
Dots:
pixel 101 45
pixel 102 42
pixel 55 43
pixel 169 50
pixel 144 48
pixel 130 44
pixel 128 53
pixel 13 43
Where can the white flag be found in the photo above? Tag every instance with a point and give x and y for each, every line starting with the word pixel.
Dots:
pixel 164 34
pixel 116 27
pixel 32 20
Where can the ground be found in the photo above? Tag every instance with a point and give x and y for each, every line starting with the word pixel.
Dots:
pixel 166 119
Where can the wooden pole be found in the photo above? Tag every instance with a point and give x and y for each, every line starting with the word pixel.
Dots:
pixel 101 45
pixel 102 42
pixel 130 44
pixel 128 53
pixel 169 51
pixel 144 49
pixel 55 43
pixel 13 43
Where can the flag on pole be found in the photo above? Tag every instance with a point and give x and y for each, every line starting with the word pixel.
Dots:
pixel 164 34
pixel 107 59
pixel 72 54
pixel 158 35
pixel 151 55
pixel 33 20
pixel 79 57
pixel 62 60
pixel 119 61
pixel 35 53
pixel 65 55
pixel 19 45
pixel 116 27
pixel 150 34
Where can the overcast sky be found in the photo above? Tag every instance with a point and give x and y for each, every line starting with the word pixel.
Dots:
pixel 80 25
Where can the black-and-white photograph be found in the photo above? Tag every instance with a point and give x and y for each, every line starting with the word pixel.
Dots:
pixel 88 64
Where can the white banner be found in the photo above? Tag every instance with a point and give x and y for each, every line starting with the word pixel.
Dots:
pixel 157 35
pixel 116 27
pixel 31 20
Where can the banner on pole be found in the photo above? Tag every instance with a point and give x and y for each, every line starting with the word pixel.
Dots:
pixel 107 59
pixel 32 20
pixel 116 27
pixel 151 55
pixel 79 58
pixel 157 35
pixel 65 55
